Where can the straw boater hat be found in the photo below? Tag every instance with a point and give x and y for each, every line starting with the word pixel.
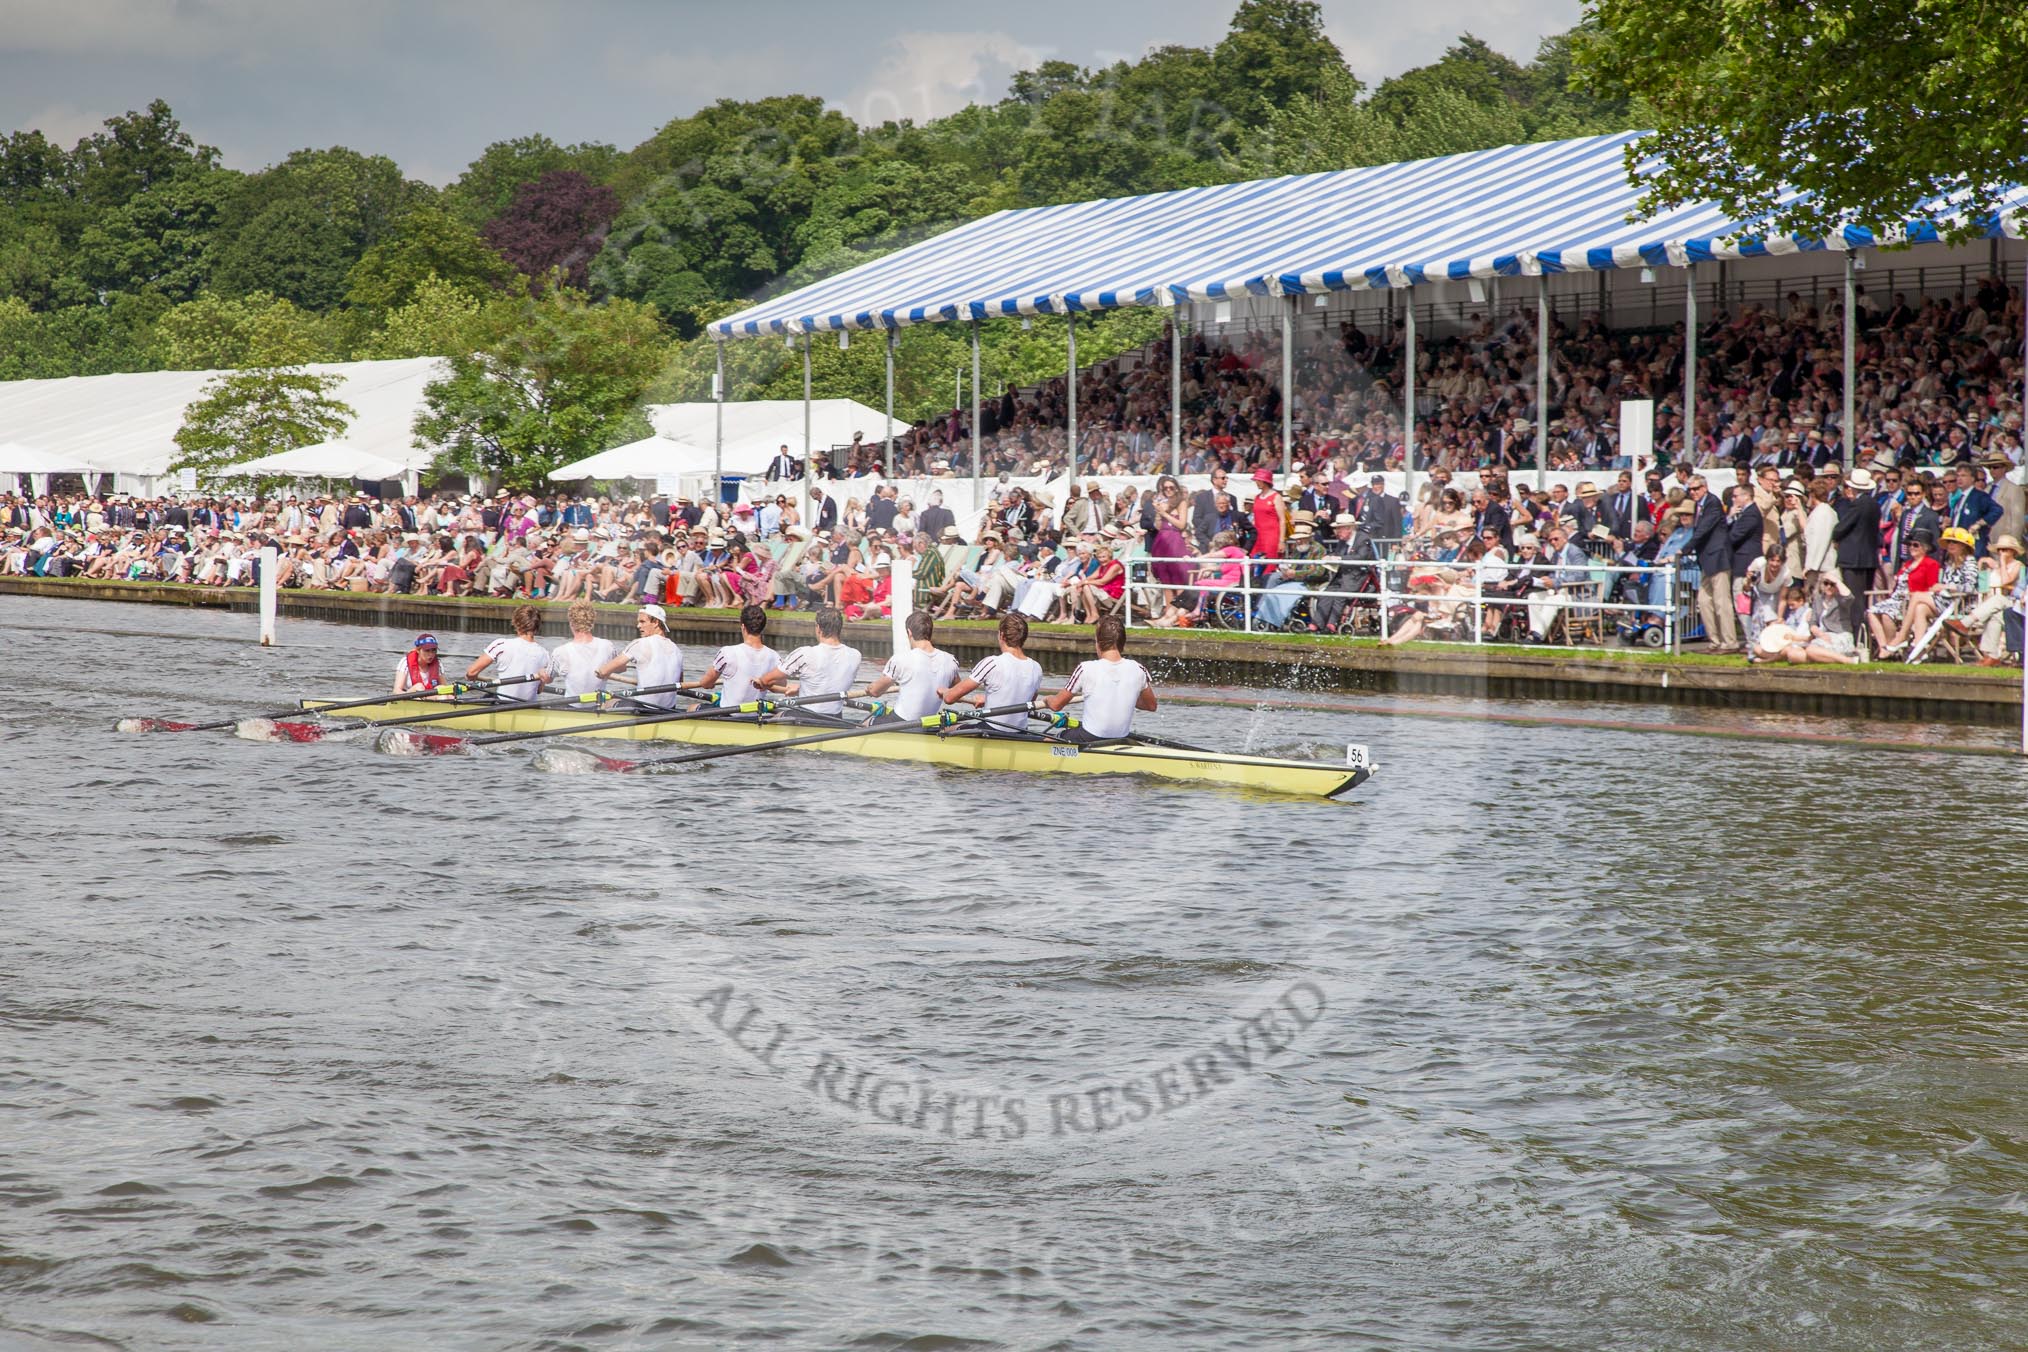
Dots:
pixel 1587 489
pixel 1860 479
pixel 1301 531
pixel 2006 542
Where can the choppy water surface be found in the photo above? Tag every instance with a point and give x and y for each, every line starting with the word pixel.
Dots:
pixel 1548 1038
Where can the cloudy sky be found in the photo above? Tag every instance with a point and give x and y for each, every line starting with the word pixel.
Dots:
pixel 431 82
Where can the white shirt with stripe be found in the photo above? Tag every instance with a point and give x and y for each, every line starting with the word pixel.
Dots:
pixel 516 656
pixel 823 669
pixel 657 661
pixel 1003 680
pixel 577 665
pixel 738 667
pixel 920 675
pixel 1111 690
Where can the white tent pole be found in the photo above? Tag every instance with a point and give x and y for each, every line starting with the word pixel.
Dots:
pixel 1690 367
pixel 1176 390
pixel 718 434
pixel 809 466
pixel 1850 430
pixel 1408 399
pixel 1288 384
pixel 890 403
pixel 1070 321
pixel 975 413
pixel 1542 380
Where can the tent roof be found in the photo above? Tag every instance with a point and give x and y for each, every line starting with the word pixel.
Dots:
pixel 18 459
pixel 127 423
pixel 326 460
pixel 756 428
pixel 648 458
pixel 1554 206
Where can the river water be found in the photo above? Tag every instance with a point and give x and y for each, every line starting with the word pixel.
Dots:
pixel 1545 1038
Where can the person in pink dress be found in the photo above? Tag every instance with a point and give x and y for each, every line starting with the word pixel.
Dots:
pixel 1270 516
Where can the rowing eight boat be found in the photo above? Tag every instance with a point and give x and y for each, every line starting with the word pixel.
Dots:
pixel 973 749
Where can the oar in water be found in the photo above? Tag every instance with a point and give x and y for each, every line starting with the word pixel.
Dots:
pixel 311 732
pixel 934 723
pixel 449 688
pixel 458 742
pixel 1057 720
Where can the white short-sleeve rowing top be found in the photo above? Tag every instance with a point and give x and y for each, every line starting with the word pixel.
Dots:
pixel 823 669
pixel 577 665
pixel 657 661
pixel 738 667
pixel 1008 680
pixel 920 675
pixel 1110 690
pixel 516 656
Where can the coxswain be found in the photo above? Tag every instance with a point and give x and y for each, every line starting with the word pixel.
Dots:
pixel 419 668
pixel 580 662
pixel 918 672
pixel 519 665
pixel 1112 686
pixel 656 659
pixel 1008 677
pixel 740 666
pixel 826 667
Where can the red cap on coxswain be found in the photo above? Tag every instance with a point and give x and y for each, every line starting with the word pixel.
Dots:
pixel 425 641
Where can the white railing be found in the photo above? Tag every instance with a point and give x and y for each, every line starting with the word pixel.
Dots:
pixel 1585 592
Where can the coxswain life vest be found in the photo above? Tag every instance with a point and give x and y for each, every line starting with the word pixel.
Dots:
pixel 418 674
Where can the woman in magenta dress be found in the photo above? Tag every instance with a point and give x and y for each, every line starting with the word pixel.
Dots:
pixel 1270 516
pixel 1167 549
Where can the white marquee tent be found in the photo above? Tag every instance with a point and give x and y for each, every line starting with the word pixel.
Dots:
pixel 126 424
pixel 327 460
pixel 649 458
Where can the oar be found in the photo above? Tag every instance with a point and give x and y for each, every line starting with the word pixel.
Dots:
pixel 762 706
pixel 316 730
pixel 453 688
pixel 1131 739
pixel 933 723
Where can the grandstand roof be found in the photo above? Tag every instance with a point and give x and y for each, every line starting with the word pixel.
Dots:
pixel 1555 206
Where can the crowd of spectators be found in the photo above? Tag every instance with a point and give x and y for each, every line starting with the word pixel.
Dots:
pixel 1792 556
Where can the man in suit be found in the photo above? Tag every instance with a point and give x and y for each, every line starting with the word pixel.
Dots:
pixel 1204 509
pixel 1743 529
pixel 823 510
pixel 1491 515
pixel 784 466
pixel 1711 542
pixel 1619 509
pixel 1581 512
pixel 1380 519
pixel 1858 537
pixel 932 519
pixel 881 508
pixel 1972 507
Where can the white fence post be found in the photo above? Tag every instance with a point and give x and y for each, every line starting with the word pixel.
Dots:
pixel 268 566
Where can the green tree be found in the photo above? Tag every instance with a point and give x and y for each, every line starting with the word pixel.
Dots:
pixel 439 318
pixel 227 332
pixel 427 243
pixel 298 228
pixel 552 378
pixel 243 415
pixel 1275 50
pixel 135 153
pixel 1871 108
pixel 162 240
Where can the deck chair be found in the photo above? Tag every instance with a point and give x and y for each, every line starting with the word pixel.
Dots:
pixel 1583 619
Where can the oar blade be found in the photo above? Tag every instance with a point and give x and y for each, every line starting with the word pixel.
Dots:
pixel 152 725
pixel 571 760
pixel 407 742
pixel 281 730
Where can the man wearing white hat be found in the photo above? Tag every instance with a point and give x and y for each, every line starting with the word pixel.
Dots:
pixel 655 659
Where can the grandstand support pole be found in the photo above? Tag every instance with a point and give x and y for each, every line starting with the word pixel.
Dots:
pixel 890 403
pixel 1542 380
pixel 1176 390
pixel 1070 420
pixel 1288 385
pixel 975 413
pixel 809 461
pixel 1849 433
pixel 1408 400
pixel 718 432
pixel 1690 367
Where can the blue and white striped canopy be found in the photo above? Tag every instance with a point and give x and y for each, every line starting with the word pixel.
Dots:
pixel 1556 206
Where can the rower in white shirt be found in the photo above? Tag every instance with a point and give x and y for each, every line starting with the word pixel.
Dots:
pixel 741 665
pixel 1113 686
pixel 519 664
pixel 656 660
pixel 580 663
pixel 917 673
pixel 1008 677
pixel 826 667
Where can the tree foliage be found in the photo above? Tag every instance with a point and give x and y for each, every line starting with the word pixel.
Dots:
pixel 1873 109
pixel 554 226
pixel 243 415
